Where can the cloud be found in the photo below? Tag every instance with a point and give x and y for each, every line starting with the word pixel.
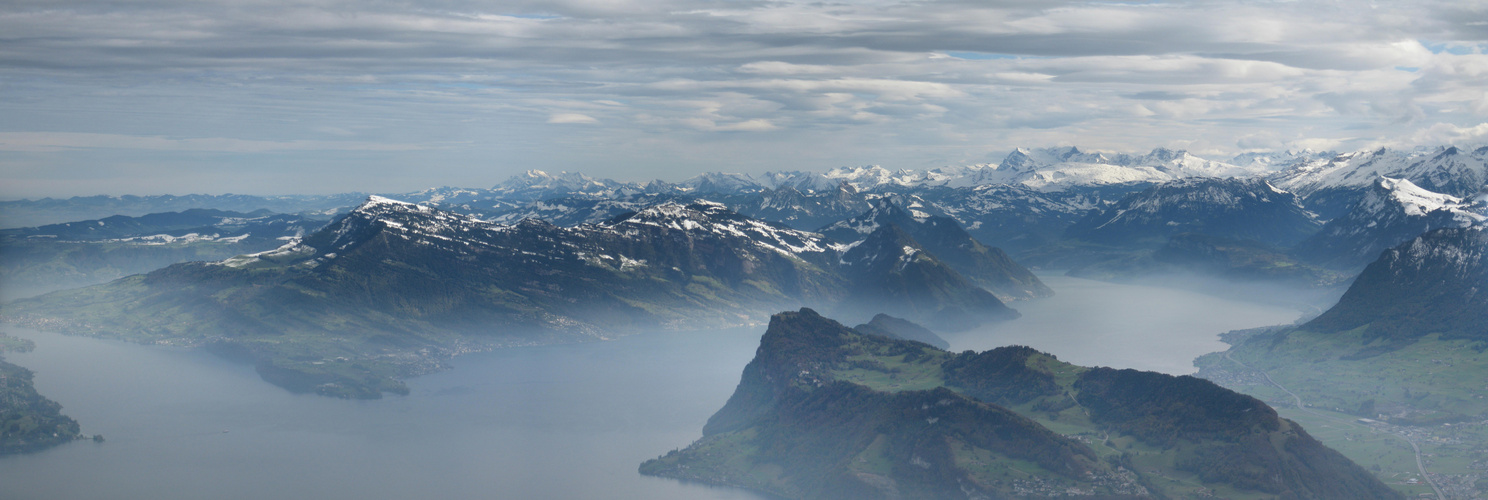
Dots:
pixel 571 118
pixel 785 68
pixel 830 83
pixel 1446 133
pixel 57 141
pixel 755 125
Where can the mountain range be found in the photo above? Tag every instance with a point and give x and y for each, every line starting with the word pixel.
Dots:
pixel 391 289
pixel 52 257
pixel 615 256
pixel 826 412
pixel 1391 212
pixel 1242 209
pixel 989 267
pixel 1402 351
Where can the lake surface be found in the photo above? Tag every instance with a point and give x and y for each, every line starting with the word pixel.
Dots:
pixel 1094 323
pixel 555 422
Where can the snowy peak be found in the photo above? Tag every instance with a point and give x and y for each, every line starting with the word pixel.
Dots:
pixel 378 216
pixel 721 182
pixel 1410 198
pixel 874 176
pixel 805 182
pixel 1448 170
pixel 1391 212
pixel 1279 160
pixel 380 205
pixel 1452 171
pixel 1018 161
pixel 537 184
pixel 941 237
pixel 891 271
pixel 886 247
pixel 1392 198
pixel 708 219
pixel 1163 155
pixel 1056 169
pixel 678 215
pixel 883 212
pixel 410 218
pixel 861 177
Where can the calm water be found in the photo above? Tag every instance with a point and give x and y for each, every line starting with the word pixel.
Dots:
pixel 555 422
pixel 1094 323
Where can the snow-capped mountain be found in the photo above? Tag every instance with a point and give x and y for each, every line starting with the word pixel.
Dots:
pixel 540 185
pixel 1024 202
pixel 988 267
pixel 1014 217
pixel 397 285
pixel 1060 169
pixel 1279 160
pixel 1391 212
pixel 874 176
pixel 449 231
pixel 705 218
pixel 785 204
pixel 1331 186
pixel 800 209
pixel 1048 169
pixel 805 182
pixel 720 183
pixel 573 211
pixel 890 272
pixel 1242 209
pixel 673 257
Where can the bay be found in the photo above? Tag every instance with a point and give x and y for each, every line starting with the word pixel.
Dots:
pixel 552 422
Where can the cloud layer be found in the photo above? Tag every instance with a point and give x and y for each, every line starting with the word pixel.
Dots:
pixel 359 95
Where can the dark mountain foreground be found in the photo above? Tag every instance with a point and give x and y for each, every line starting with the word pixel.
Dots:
pixel 826 412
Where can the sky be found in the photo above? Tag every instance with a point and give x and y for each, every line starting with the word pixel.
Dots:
pixel 312 96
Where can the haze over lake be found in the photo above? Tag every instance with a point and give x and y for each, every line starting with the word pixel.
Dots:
pixel 1095 323
pixel 567 421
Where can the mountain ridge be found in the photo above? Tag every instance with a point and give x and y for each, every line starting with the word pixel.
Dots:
pixel 824 412
pixel 392 278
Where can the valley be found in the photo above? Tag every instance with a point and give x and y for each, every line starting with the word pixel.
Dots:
pixel 523 417
pixel 390 291
pixel 743 250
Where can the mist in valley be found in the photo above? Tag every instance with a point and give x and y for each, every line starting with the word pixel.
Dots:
pixel 1140 326
pixel 558 421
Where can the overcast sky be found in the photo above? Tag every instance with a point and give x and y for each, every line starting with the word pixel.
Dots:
pixel 311 96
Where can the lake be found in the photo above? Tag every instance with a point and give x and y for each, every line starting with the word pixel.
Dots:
pixel 1094 323
pixel 554 422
